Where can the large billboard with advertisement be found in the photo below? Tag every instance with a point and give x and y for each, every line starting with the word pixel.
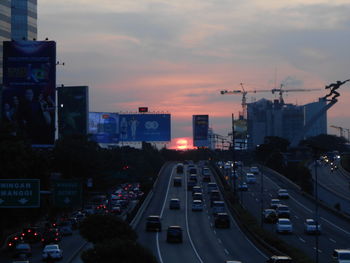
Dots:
pixel 104 127
pixel 29 83
pixel 240 128
pixel 73 110
pixel 144 127
pixel 200 130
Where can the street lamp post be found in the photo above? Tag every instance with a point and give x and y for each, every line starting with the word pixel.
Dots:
pixel 316 209
pixel 262 199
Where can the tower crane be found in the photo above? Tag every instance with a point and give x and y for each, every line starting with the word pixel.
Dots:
pixel 273 91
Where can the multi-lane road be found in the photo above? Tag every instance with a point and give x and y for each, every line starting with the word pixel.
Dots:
pixel 335 229
pixel 202 241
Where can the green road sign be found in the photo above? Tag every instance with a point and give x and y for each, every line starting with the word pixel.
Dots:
pixel 19 193
pixel 67 193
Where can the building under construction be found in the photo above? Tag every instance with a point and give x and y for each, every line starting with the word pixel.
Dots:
pixel 275 118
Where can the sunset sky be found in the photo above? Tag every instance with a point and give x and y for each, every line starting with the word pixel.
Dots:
pixel 176 56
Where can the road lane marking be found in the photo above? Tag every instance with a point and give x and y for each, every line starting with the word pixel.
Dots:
pixel 219 240
pixel 332 240
pixel 187 228
pixel 302 240
pixel 214 232
pixel 329 222
pixel 226 251
pixel 319 250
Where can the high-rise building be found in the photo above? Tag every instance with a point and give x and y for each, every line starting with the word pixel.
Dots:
pixel 24 19
pixel 274 118
pixel 5 27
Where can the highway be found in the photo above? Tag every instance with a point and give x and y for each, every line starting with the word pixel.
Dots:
pixel 335 229
pixel 202 242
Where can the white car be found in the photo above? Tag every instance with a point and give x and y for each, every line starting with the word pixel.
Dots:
pixel 197 205
pixel 310 227
pixel 283 194
pixel 52 251
pixel 250 178
pixel 275 203
pixel 284 225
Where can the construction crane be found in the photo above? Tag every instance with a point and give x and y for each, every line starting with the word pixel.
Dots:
pixel 341 131
pixel 273 91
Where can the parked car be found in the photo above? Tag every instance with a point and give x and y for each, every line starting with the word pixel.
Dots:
pixel 153 223
pixel 197 205
pixel 311 227
pixel 22 249
pixel 284 225
pixel 283 211
pixel 270 216
pixel 52 251
pixel 174 234
pixel 341 255
pixel 279 259
pixel 283 194
pixel 222 220
pixel 174 203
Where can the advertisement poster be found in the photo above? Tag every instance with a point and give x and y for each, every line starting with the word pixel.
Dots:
pixel 73 110
pixel 104 127
pixel 200 130
pixel 144 127
pixel 29 82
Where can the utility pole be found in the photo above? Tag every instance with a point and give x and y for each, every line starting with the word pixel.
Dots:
pixel 234 157
pixel 316 209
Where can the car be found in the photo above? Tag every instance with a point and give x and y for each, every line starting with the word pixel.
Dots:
pixel 279 259
pixel 174 203
pixel 222 220
pixel 233 261
pixel 192 171
pixel 116 210
pixel 50 236
pixel 283 211
pixel 206 171
pixel 190 185
pixel 212 186
pixel 52 251
pixel 22 249
pixel 174 234
pixel 341 255
pixel 311 227
pixel 284 225
pixel 250 178
pixel 66 228
pixel 153 223
pixel 214 196
pixel 218 207
pixel 179 168
pixel 274 203
pixel 197 205
pixel 31 234
pixel 196 189
pixel 243 186
pixel 283 194
pixel 197 196
pixel 206 178
pixel 193 178
pixel 270 216
pixel 177 181
pixel 13 240
pixel 254 170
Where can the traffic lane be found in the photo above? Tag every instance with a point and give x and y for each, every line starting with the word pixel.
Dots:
pixel 328 238
pixel 148 239
pixel 333 180
pixel 182 252
pixel 203 234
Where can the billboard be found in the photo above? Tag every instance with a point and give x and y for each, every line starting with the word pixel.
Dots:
pixel 73 110
pixel 200 130
pixel 240 128
pixel 29 82
pixel 144 127
pixel 104 127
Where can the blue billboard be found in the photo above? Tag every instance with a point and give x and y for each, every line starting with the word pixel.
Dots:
pixel 144 127
pixel 200 130
pixel 29 84
pixel 104 127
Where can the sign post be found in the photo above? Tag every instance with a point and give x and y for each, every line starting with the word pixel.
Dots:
pixel 19 193
pixel 67 193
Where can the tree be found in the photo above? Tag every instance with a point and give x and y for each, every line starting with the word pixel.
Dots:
pixel 325 143
pixel 118 251
pixel 99 228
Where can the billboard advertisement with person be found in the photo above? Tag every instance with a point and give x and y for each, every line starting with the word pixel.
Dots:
pixel 200 130
pixel 104 127
pixel 144 127
pixel 29 82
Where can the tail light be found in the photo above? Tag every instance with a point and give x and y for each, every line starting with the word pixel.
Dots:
pixel 10 244
pixel 23 234
pixel 29 230
pixel 35 234
pixel 15 238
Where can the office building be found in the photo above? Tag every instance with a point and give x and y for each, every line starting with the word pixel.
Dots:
pixel 5 27
pixel 275 118
pixel 24 19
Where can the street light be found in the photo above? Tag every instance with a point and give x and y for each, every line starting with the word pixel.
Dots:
pixel 316 208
